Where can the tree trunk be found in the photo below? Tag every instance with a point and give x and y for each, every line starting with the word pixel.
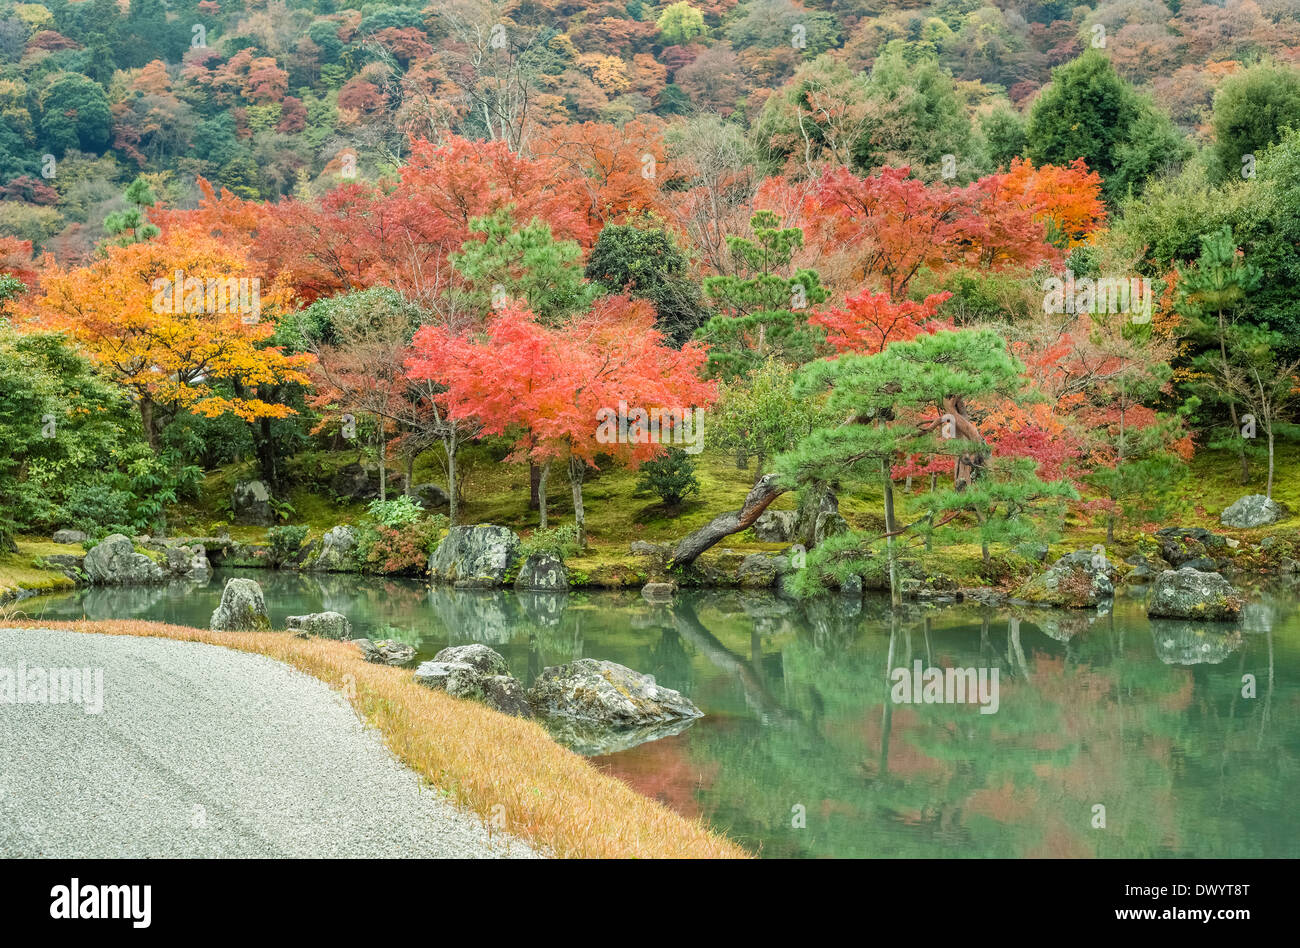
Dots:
pixel 895 592
pixel 577 468
pixel 1268 490
pixel 383 460
pixel 542 477
pixel 451 448
pixel 534 487
pixel 146 421
pixel 971 464
pixel 1232 406
pixel 724 525
pixel 266 459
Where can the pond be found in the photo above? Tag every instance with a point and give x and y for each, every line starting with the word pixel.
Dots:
pixel 1113 735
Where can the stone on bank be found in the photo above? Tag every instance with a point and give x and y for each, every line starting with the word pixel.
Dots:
pixel 321 625
pixel 474 556
pixel 603 693
pixel 114 561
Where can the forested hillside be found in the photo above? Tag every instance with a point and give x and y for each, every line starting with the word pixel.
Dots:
pixel 269 99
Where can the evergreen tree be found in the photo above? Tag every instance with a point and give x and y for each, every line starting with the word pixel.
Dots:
pixel 763 306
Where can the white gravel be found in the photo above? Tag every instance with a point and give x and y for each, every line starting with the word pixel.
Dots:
pixel 207 751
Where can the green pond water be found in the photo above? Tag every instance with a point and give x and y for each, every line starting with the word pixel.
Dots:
pixel 803 752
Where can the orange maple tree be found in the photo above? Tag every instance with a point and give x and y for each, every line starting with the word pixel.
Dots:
pixel 171 349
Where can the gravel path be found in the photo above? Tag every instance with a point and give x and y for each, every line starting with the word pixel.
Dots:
pixel 206 751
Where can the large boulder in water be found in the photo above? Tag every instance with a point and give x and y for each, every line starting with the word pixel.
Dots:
pixel 1191 594
pixel 114 562
pixel 1077 581
pixel 1253 510
pixel 606 694
pixel 758 570
pixel 479 657
pixel 338 550
pixel 242 608
pixel 478 556
pixel 188 561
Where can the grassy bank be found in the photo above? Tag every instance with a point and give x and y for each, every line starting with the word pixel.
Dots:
pixel 23 573
pixel 482 760
pixel 618 513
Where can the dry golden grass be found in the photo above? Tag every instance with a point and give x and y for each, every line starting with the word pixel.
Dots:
pixel 482 759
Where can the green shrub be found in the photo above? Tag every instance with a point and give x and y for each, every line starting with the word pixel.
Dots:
pixel 399 512
pixel 286 543
pixel 559 542
pixel 671 477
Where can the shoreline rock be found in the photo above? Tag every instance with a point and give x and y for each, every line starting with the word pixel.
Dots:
pixel 1253 510
pixel 605 694
pixel 1188 593
pixel 320 625
pixel 1078 580
pixel 474 557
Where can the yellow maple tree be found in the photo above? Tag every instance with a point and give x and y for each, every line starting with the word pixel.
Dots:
pixel 171 320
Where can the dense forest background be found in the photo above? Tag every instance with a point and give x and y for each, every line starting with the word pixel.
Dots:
pixel 266 98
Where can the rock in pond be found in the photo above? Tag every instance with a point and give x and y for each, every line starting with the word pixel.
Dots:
pixel 1077 581
pixel 658 592
pixel 477 556
pixel 385 651
pixel 320 625
pixel 114 562
pixel 476 672
pixel 188 561
pixel 482 659
pixel 605 694
pixel 1253 510
pixel 543 572
pixel 760 570
pixel 242 608
pixel 1191 594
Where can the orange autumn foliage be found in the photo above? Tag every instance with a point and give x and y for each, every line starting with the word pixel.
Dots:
pixel 120 309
